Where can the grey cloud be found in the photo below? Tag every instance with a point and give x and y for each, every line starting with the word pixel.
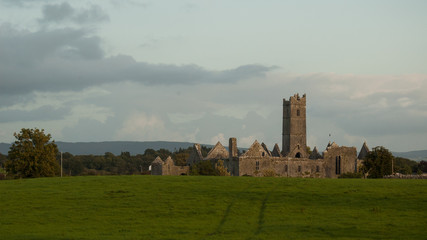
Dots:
pixel 24 49
pixel 71 59
pixel 131 3
pixel 57 12
pixel 93 14
pixel 9 100
pixel 43 113
pixel 65 12
pixel 23 3
pixel 90 130
pixel 246 71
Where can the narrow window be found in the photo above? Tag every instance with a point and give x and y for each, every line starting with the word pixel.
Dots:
pixel 257 165
pixel 299 168
pixel 286 168
pixel 336 165
pixel 317 169
pixel 298 113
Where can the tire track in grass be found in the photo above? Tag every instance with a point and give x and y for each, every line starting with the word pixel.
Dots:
pixel 261 216
pixel 226 215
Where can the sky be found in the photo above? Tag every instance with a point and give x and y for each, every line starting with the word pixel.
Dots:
pixel 204 71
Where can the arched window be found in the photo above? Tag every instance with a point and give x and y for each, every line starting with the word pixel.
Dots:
pixel 298 155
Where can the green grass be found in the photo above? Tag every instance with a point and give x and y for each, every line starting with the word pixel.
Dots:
pixel 185 207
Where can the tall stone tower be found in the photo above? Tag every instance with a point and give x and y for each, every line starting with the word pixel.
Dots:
pixel 294 136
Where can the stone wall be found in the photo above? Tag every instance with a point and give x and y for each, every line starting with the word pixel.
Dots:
pixel 218 152
pixel 281 166
pixel 339 160
pixel 168 167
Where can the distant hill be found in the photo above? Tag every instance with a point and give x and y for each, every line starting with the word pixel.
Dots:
pixel 115 147
pixel 414 155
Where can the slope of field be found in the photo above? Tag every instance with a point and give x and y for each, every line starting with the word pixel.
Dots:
pixel 185 207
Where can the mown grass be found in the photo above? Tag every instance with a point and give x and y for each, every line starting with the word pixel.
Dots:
pixel 186 207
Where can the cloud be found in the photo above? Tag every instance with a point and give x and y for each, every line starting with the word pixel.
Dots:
pixel 218 138
pixel 71 59
pixel 43 113
pixel 93 14
pixel 131 3
pixel 246 141
pixel 21 3
pixel 58 13
pixel 20 49
pixel 141 125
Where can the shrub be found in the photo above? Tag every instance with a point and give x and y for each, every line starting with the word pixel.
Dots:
pixel 269 173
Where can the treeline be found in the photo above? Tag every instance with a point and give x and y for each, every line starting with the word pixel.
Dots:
pixel 127 164
pixel 123 164
pixel 407 166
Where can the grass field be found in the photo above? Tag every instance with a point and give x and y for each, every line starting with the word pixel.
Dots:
pixel 185 207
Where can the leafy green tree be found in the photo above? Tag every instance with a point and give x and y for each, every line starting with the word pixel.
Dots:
pixel 404 165
pixel 378 162
pixel 32 155
pixel 205 168
pixel 205 150
pixel 72 166
pixel 181 158
pixel 221 169
pixel 3 159
pixel 422 166
pixel 309 150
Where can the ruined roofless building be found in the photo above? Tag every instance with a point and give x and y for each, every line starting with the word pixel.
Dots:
pixel 292 161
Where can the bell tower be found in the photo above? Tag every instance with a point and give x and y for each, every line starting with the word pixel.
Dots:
pixel 294 135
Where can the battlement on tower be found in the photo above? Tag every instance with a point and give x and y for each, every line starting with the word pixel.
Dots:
pixel 295 99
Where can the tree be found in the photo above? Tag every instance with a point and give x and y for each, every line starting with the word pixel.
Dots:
pixel 203 168
pixel 32 155
pixel 378 163
pixel 221 169
pixel 422 166
pixel 405 166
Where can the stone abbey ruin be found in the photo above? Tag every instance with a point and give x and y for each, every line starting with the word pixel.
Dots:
pixel 293 161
